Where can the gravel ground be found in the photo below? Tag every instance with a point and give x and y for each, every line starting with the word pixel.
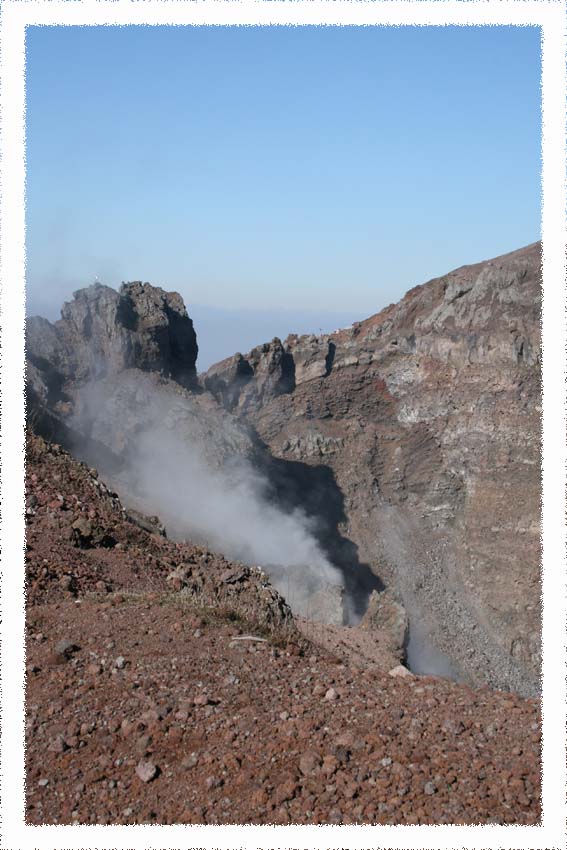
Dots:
pixel 148 701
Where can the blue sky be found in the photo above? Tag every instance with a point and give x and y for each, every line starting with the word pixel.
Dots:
pixel 313 169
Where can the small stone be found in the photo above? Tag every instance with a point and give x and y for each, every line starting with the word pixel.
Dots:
pixel 57 744
pixel 143 743
pixel 82 528
pixel 309 763
pixel 331 695
pixel 120 662
pixel 454 727
pixel 65 648
pixel 285 791
pixel 43 782
pixel 146 771
pixel 182 715
pixel 350 790
pixel 190 761
pixel 151 718
pixel 330 765
pixel 400 672
pixel 126 727
pixel 429 788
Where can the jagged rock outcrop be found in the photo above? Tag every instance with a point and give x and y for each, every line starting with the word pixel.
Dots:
pixel 245 383
pixel 428 415
pixel 119 363
pixel 103 332
pixel 271 367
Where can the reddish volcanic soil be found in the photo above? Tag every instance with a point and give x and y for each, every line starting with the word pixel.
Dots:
pixel 146 702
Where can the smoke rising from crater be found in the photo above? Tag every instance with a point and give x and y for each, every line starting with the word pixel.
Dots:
pixel 229 509
pixel 206 494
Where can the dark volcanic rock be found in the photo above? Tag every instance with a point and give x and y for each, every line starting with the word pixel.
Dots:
pixel 428 415
pixel 103 332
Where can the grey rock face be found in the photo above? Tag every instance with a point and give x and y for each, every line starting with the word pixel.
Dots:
pixel 118 409
pixel 103 332
pixel 269 365
pixel 269 370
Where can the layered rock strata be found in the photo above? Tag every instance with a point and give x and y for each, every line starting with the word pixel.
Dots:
pixel 428 416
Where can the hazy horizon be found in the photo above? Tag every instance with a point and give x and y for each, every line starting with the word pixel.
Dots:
pixel 223 332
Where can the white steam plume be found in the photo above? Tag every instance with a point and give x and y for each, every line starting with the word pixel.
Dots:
pixel 228 508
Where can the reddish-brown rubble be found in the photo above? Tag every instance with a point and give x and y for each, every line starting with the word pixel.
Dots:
pixel 143 706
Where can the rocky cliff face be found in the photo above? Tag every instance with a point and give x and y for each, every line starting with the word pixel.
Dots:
pixel 428 416
pixel 103 332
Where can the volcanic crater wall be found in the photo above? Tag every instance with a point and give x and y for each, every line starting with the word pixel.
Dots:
pixel 404 450
pixel 428 415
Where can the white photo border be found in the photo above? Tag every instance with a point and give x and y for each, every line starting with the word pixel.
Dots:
pixel 550 16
